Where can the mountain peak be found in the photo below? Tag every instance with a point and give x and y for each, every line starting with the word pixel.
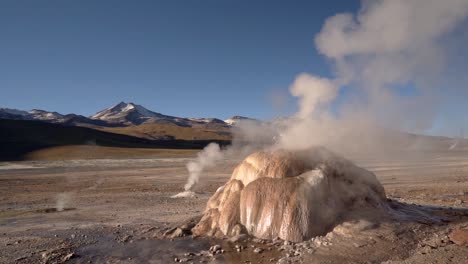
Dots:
pixel 126 113
pixel 117 106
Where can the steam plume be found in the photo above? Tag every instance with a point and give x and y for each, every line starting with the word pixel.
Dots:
pixel 313 92
pixel 388 46
pixel 62 199
pixel 205 159
pixel 247 136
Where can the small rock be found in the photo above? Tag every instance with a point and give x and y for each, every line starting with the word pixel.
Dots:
pixel 69 256
pixel 126 239
pixel 359 244
pixel 256 240
pixel 176 232
pixel 431 243
pixel 21 258
pixel 459 237
pixel 258 250
pixel 216 249
pixel 425 250
pixel 187 227
pixel 238 238
pixel 283 261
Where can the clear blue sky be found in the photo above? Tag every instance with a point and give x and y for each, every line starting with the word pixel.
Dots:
pixel 191 58
pixel 187 58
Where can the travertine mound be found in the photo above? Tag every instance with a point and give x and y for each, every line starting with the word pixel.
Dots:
pixel 293 196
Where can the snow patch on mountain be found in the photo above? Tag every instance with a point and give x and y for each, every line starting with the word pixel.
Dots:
pixel 38 114
pixel 236 119
pixel 206 120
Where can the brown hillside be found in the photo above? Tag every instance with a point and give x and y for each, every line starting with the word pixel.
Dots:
pixel 100 152
pixel 158 131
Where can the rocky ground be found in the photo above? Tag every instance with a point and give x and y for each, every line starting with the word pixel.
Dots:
pixel 120 211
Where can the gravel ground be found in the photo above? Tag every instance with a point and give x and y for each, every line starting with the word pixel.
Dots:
pixel 117 211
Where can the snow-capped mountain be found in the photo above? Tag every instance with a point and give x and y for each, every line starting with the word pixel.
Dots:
pixel 122 109
pixel 236 119
pixel 46 116
pixel 133 114
pixel 34 114
pixel 121 114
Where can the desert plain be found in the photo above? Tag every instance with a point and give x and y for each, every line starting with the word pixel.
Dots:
pixel 118 209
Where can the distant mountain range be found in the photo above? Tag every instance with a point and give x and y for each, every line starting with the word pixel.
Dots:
pixel 132 126
pixel 126 125
pixel 120 115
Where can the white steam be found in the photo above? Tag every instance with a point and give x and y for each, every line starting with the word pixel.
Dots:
pixel 313 92
pixel 62 200
pixel 393 53
pixel 247 136
pixel 205 159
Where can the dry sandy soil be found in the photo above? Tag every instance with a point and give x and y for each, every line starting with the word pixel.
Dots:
pixel 117 211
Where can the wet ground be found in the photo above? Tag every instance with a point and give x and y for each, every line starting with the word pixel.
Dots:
pixel 117 211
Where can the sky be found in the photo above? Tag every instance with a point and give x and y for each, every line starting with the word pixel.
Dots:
pixel 191 58
pixel 186 58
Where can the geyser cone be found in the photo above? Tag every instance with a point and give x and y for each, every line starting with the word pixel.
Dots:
pixel 290 195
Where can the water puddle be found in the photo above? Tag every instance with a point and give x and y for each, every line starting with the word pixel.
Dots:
pixel 141 251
